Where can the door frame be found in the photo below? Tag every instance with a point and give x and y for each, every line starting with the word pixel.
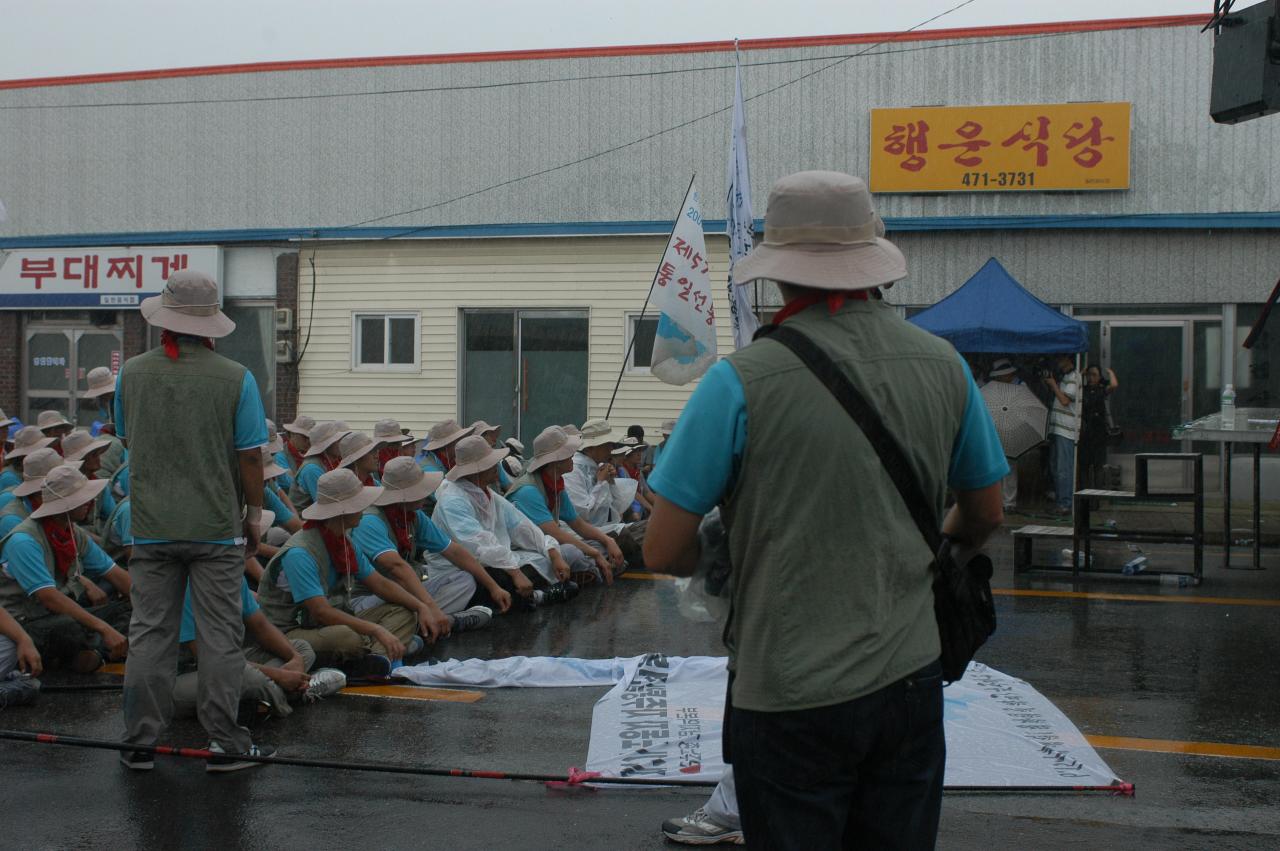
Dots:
pixel 74 331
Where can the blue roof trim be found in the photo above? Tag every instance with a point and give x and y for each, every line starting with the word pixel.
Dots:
pixel 1157 221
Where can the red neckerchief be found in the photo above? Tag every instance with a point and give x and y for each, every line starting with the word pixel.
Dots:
pixel 35 500
pixel 445 461
pixel 554 486
pixel 169 340
pixel 329 465
pixel 633 470
pixel 402 523
pixel 108 428
pixel 297 456
pixel 386 453
pixel 835 300
pixel 61 541
pixel 56 446
pixel 341 554
pixel 369 481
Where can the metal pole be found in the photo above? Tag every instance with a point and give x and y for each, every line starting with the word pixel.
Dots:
pixel 627 355
pixel 1257 506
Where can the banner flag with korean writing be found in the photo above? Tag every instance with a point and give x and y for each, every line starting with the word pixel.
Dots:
pixel 685 344
pixel 741 223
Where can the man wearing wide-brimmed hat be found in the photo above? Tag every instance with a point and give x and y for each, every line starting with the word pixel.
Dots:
pixel 600 497
pixel 279 455
pixel 541 496
pixel 628 459
pixel 27 440
pixel 54 424
pixel 516 553
pixel 394 533
pixel 438 452
pixel 359 454
pixel 297 441
pixel 17 504
pixel 309 587
pixel 48 561
pixel 802 711
pixel 102 389
pixel 82 447
pixel 194 423
pixel 393 441
pixel 323 455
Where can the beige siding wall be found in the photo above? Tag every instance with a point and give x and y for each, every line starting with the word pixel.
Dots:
pixel 607 276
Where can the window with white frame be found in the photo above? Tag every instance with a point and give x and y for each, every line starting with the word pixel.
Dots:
pixel 642 330
pixel 385 341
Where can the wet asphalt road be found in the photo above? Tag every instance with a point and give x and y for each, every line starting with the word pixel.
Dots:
pixel 1150 670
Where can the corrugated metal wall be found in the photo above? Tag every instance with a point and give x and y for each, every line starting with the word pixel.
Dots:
pixel 336 161
pixel 441 277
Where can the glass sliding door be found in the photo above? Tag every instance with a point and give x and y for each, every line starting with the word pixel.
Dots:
pixel 1150 360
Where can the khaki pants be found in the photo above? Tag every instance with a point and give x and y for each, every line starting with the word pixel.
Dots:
pixel 160 574
pixel 334 644
pixel 255 687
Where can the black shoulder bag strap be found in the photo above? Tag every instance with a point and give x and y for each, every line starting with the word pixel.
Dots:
pixel 884 443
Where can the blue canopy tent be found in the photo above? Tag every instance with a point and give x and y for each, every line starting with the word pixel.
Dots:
pixel 992 313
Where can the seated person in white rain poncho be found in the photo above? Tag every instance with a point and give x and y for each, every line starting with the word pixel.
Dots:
pixel 599 496
pixel 521 559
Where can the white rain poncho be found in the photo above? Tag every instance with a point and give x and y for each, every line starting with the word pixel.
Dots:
pixel 492 529
pixel 601 504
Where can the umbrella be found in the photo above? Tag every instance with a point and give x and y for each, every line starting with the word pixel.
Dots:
pixel 1019 416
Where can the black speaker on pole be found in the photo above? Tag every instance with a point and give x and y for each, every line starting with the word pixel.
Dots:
pixel 1246 63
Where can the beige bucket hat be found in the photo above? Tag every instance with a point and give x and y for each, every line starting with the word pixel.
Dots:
pixel 482 428
pixel 444 433
pixel 339 492
pixel 596 433
pixel 52 419
pixel 404 481
pixel 355 446
pixel 79 445
pixel 101 381
pixel 35 467
pixel 821 230
pixel 572 430
pixel 66 489
pixel 28 440
pixel 302 424
pixel 475 455
pixel 553 445
pixel 516 447
pixel 270 469
pixel 389 431
pixel 668 426
pixel 323 436
pixel 188 304
pixel 266 520
pixel 628 445
pixel 6 420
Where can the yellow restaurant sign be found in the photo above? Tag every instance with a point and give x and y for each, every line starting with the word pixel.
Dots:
pixel 1032 147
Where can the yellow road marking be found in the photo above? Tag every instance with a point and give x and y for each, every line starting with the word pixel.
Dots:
pixel 630 574
pixel 1137 598
pixel 1218 749
pixel 112 668
pixel 415 693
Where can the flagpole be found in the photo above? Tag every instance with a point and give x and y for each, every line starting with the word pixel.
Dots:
pixel 627 355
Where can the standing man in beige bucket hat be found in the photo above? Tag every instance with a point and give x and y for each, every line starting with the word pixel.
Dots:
pixel 829 748
pixel 195 427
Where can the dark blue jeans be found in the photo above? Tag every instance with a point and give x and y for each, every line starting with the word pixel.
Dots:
pixel 866 773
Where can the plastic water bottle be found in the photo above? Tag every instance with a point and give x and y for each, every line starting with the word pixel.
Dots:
pixel 1176 580
pixel 1229 407
pixel 1134 565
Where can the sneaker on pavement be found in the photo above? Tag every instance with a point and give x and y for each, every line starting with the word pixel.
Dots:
pixel 223 761
pixel 562 592
pixel 137 760
pixel 698 828
pixel 18 689
pixel 476 617
pixel 324 682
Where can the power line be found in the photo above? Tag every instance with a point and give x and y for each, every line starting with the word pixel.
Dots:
pixel 519 83
pixel 642 139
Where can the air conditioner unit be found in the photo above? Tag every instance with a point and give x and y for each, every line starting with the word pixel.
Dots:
pixel 284 351
pixel 284 319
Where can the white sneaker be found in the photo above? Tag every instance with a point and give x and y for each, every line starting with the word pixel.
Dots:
pixel 698 828
pixel 476 617
pixel 324 682
pixel 221 761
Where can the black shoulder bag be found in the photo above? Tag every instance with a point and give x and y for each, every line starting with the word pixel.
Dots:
pixel 962 601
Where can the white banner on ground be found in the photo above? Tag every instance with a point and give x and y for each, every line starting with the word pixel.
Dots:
pixel 664 715
pixel 741 221
pixel 685 344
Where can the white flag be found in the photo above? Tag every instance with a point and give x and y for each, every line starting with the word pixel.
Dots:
pixel 741 224
pixel 685 345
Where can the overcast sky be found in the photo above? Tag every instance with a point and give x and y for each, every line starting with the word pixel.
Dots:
pixel 57 37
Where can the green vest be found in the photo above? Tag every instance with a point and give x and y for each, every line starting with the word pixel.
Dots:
pixel 298 495
pixel 14 599
pixel 113 458
pixel 533 480
pixel 831 592
pixel 180 421
pixel 278 604
pixel 16 507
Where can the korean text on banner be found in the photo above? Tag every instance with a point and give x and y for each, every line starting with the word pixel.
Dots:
pixel 1025 148
pixel 685 345
pixel 741 223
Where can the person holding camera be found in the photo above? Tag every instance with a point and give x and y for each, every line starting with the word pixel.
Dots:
pixel 1064 430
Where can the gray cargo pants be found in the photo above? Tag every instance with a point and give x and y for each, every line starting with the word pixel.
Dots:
pixel 160 573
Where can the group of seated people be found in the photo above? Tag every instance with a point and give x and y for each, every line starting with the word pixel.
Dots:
pixel 373 545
